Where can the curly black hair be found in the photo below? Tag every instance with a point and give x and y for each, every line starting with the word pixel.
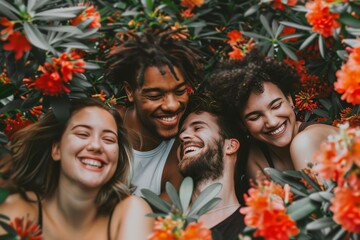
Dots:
pixel 234 80
pixel 153 47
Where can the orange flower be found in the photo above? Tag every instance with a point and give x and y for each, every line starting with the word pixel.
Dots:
pixel 4 78
pixel 347 115
pixel 17 43
pixel 194 231
pixel 101 95
pixel 13 125
pixel 235 37
pixel 236 53
pixel 278 5
pixel 161 234
pixel 321 19
pixel 346 206
pixel 348 78
pixel 191 3
pixel 287 31
pixel 26 230
pixel 85 15
pixel 5 33
pixel 187 13
pixel 305 101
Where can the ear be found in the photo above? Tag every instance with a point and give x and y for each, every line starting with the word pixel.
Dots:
pixel 232 145
pixel 129 92
pixel 55 151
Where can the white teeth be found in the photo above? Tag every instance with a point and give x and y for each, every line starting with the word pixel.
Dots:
pixel 190 149
pixel 278 130
pixel 91 162
pixel 168 119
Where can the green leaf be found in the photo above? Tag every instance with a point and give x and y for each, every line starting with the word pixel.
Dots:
pixel 310 181
pixel 75 45
pixel 321 42
pixel 205 196
pixel 301 208
pixel 277 29
pixel 208 206
pixel 292 173
pixel 253 9
pixel 185 192
pixel 321 196
pixel 266 25
pixel 352 42
pixel 288 52
pixel 4 193
pixel 156 201
pixel 291 36
pixel 307 41
pixel 65 29
pixel 320 224
pixel 30 5
pixel 8 10
pixel 36 38
pixel 91 66
pixel 8 229
pixel 349 20
pixel 40 3
pixel 7 90
pixel 295 25
pixel 255 35
pixel 4 217
pixel 59 13
pixel 174 197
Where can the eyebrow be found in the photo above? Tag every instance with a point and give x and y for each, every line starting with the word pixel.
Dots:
pixel 147 90
pixel 88 127
pixel 269 105
pixel 193 124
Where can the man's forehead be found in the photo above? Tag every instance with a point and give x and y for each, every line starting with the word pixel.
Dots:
pixel 194 118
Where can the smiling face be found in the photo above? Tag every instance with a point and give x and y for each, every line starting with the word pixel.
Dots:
pixel 201 150
pixel 269 116
pixel 88 150
pixel 160 102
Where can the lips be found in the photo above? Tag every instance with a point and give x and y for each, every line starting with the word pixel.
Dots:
pixel 92 163
pixel 277 131
pixel 169 120
pixel 191 148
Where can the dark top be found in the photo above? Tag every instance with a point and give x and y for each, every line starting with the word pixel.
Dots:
pixel 265 150
pixel 40 221
pixel 229 228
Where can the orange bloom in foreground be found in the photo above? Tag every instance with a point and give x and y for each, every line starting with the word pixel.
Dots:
pixel 235 37
pixel 194 231
pixel 17 43
pixel 280 6
pixel 5 33
pixel 348 78
pixel 162 234
pixel 321 19
pixel 346 207
pixel 191 3
pixel 86 14
pixel 26 230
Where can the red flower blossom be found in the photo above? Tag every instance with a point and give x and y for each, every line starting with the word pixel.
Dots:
pixel 5 33
pixel 86 14
pixel 17 43
pixel 305 101
pixel 240 50
pixel 16 124
pixel 235 37
pixel 287 31
pixel 187 13
pixel 348 78
pixel 321 19
pixel 161 234
pixel 4 78
pixel 56 75
pixel 26 230
pixel 194 231
pixel 191 3
pixel 278 4
pixel 346 206
pixel 101 95
pixel 236 53
pixel 347 115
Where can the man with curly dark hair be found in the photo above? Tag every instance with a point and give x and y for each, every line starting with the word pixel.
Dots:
pixel 156 70
pixel 259 90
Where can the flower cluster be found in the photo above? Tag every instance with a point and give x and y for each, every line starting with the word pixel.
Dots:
pixel 172 227
pixel 339 161
pixel 265 211
pixel 321 19
pixel 15 124
pixel 26 229
pixel 348 78
pixel 56 75
pixel 240 46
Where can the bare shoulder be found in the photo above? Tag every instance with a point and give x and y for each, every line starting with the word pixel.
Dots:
pixel 17 206
pixel 132 205
pixel 314 134
pixel 256 162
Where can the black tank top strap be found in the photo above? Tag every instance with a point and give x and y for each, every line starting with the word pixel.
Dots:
pixel 109 225
pixel 265 150
pixel 40 221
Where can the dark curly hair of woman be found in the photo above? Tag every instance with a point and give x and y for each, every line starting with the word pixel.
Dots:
pixel 234 80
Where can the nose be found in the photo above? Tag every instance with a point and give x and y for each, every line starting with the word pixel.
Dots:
pixel 170 103
pixel 94 144
pixel 185 135
pixel 270 121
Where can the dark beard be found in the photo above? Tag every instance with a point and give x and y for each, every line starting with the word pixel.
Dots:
pixel 207 166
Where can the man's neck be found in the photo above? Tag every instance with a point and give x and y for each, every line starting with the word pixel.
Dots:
pixel 140 137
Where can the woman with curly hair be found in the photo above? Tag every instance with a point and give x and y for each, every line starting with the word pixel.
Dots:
pixel 72 177
pixel 259 90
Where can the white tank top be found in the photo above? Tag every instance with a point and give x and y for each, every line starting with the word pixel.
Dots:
pixel 148 167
